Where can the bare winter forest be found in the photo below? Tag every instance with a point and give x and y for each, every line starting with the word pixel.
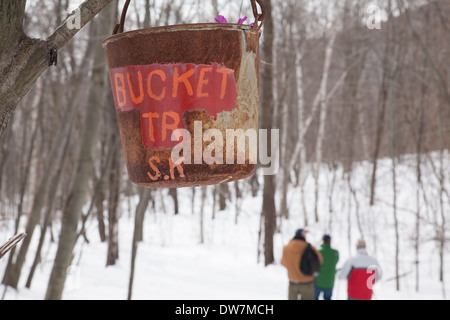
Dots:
pixel 350 84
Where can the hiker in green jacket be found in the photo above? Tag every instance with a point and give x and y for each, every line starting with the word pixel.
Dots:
pixel 325 280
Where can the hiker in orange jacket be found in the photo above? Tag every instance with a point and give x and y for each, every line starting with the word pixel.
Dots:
pixel 299 283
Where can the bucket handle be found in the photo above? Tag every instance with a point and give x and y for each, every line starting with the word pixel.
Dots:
pixel 259 17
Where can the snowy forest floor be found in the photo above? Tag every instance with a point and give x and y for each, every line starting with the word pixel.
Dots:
pixel 172 264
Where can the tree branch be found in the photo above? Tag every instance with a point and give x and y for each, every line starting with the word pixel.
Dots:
pixel 23 60
pixel 11 243
pixel 87 10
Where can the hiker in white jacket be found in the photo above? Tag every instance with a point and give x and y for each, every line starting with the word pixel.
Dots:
pixel 361 272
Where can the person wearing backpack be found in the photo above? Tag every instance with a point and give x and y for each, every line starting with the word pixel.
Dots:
pixel 325 280
pixel 300 283
pixel 361 272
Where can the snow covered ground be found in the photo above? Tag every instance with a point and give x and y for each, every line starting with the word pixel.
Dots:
pixel 172 264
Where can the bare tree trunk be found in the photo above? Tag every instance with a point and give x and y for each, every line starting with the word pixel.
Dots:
pixel 303 124
pixel 396 225
pixel 382 101
pixel 144 198
pixel 351 100
pixel 174 194
pixel 147 19
pixel 12 273
pixel 349 222
pixel 214 204
pixel 113 214
pixel 99 183
pixel 283 176
pixel 420 136
pixel 163 203
pixel 56 180
pixel 394 151
pixel 215 8
pixel 254 184
pixel 202 216
pixel 78 190
pixel 286 89
pixel 268 205
pixel 322 120
pixel 141 216
pixel 3 158
pixel 238 194
pixel 300 145
pixel 100 186
pixel 305 211
pixel 224 195
pixel 27 166
pixel 354 50
pixel 114 183
pixel 260 231
pixel 393 134
pixel 442 180
pixel 417 233
pixel 193 201
pixel 145 194
pixel 330 198
pixel 355 199
pixel 100 217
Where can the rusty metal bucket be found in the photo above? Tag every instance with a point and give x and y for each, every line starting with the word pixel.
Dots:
pixel 175 83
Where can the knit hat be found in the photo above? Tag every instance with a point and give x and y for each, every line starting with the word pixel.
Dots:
pixel 300 233
pixel 326 237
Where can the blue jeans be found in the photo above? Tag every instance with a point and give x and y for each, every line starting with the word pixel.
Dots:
pixel 327 293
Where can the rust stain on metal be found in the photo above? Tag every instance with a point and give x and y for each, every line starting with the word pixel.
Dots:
pixel 233 46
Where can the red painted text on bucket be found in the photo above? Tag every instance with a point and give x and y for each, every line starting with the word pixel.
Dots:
pixel 163 92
